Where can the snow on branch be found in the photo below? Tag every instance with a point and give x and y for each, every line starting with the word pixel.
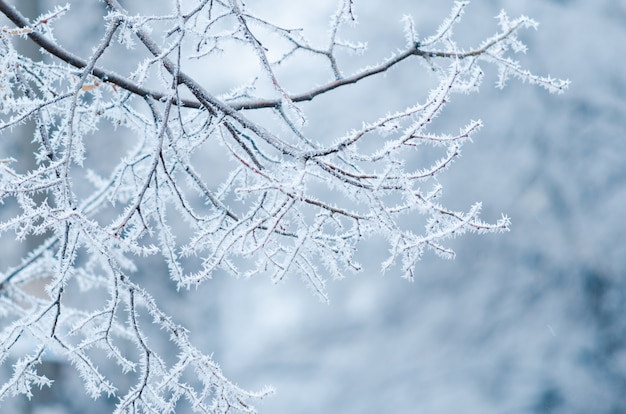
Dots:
pixel 285 201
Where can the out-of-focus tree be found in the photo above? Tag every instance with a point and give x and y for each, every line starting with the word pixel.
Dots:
pixel 229 180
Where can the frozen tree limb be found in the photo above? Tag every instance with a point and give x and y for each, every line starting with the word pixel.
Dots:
pixel 267 216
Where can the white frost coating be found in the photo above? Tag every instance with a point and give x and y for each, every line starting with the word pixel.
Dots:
pixel 266 216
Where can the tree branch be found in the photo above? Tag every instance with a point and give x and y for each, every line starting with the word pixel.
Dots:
pixel 68 57
pixel 107 76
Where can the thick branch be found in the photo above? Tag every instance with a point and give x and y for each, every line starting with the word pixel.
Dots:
pixel 16 17
pixel 307 96
pixel 107 76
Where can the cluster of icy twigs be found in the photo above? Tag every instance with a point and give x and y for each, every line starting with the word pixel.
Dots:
pixel 267 216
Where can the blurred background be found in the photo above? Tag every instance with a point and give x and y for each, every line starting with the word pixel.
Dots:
pixel 531 321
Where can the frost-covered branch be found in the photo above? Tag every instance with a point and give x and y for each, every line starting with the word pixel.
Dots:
pixel 277 199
